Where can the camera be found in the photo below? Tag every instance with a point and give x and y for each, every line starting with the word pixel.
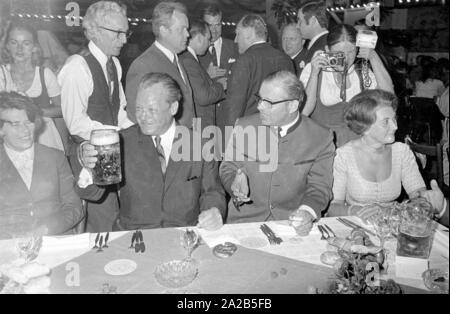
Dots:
pixel 335 60
pixel 366 39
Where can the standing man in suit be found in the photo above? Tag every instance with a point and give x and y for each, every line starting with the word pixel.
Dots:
pixel 206 91
pixel 300 186
pixel 159 190
pixel 257 60
pixel 170 27
pixel 36 183
pixel 92 95
pixel 220 56
pixel 313 25
pixel 292 43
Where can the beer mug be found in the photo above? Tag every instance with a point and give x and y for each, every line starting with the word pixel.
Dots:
pixel 107 169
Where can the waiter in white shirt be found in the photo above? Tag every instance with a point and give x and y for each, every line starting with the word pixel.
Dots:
pixel 92 96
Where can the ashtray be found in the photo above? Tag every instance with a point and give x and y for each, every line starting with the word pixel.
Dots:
pixel 176 274
pixel 436 280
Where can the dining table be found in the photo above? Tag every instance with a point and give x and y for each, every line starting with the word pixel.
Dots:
pixel 257 267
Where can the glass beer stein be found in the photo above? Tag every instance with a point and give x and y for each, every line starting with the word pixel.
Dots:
pixel 107 169
pixel 416 229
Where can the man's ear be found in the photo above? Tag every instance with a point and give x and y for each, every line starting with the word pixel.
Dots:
pixel 174 108
pixel 293 106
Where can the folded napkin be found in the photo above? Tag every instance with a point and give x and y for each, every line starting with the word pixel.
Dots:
pixel 75 242
pixel 85 178
pixel 213 238
pixel 408 267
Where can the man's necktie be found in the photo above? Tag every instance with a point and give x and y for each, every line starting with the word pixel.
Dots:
pixel 214 55
pixel 161 155
pixel 175 63
pixel 110 73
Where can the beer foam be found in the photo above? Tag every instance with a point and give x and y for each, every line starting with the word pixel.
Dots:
pixel 107 138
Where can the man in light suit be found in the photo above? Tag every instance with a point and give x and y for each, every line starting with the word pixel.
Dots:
pixel 220 56
pixel 206 91
pixel 157 189
pixel 170 27
pixel 300 185
pixel 257 60
pixel 36 183
pixel 313 25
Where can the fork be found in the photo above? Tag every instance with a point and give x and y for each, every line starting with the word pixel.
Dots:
pixel 329 229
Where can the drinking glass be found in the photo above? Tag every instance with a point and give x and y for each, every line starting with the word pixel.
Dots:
pixel 189 240
pixel 107 169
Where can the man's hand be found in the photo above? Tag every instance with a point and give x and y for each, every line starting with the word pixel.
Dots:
pixel 223 82
pixel 302 221
pixel 210 219
pixel 434 196
pixel 365 53
pixel 239 187
pixel 88 155
pixel 214 71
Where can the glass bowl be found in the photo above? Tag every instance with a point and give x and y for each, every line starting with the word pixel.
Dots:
pixel 436 280
pixel 176 274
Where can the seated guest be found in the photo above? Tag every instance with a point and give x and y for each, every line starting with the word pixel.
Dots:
pixel 158 190
pixel 300 183
pixel 372 168
pixel 36 184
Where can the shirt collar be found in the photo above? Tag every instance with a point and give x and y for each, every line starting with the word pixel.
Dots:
pixel 258 42
pixel 217 44
pixel 168 136
pixel 169 54
pixel 314 39
pixel 285 128
pixel 27 154
pixel 192 52
pixel 97 53
pixel 294 56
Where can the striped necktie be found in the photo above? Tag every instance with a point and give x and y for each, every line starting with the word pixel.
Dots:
pixel 110 73
pixel 161 155
pixel 214 55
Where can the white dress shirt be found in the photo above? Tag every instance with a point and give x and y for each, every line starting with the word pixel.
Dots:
pixel 192 52
pixel 314 39
pixel 23 161
pixel 77 86
pixel 170 55
pixel 283 132
pixel 167 141
pixel 218 46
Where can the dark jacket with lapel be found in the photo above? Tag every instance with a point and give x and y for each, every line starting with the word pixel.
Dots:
pixel 206 91
pixel 154 60
pixel 51 198
pixel 148 200
pixel 303 174
pixel 247 74
pixel 228 55
pixel 306 55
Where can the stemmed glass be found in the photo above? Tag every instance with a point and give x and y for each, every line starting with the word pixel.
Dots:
pixel 189 240
pixel 381 222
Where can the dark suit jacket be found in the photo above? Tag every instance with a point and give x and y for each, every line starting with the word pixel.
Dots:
pixel 206 91
pixel 303 174
pixel 307 54
pixel 229 51
pixel 247 74
pixel 51 198
pixel 154 60
pixel 147 200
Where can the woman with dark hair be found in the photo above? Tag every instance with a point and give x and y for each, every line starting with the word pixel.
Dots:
pixel 36 184
pixel 372 168
pixel 328 88
pixel 428 85
pixel 22 73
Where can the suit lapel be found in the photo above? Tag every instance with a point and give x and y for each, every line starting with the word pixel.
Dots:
pixel 172 167
pixel 39 166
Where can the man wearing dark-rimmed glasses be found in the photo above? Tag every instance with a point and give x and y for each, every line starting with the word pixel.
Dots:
pixel 92 95
pixel 299 188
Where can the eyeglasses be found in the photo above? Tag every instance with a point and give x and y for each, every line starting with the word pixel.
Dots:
pixel 259 99
pixel 214 25
pixel 127 33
